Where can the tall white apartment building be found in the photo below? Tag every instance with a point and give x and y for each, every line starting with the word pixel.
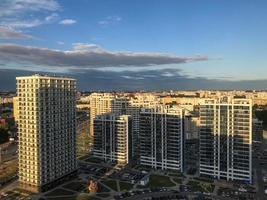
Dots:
pixel 162 137
pixel 226 139
pixel 112 138
pixel 46 129
pixel 103 103
pixel 99 103
pixel 132 106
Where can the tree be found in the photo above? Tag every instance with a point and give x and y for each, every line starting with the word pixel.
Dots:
pixel 3 135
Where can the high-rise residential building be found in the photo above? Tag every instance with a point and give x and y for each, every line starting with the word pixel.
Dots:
pixel 257 130
pixel 113 138
pixel 162 137
pixel 191 127
pixel 46 129
pixel 82 133
pixel 15 108
pixel 101 103
pixel 191 137
pixel 136 103
pixel 226 139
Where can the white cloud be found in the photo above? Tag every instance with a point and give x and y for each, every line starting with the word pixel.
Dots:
pixel 110 20
pixel 20 24
pixel 67 21
pixel 132 77
pixel 21 14
pixel 60 43
pixel 52 17
pixel 8 33
pixel 86 47
pixel 17 7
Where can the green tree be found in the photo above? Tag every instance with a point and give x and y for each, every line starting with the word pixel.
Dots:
pixel 3 135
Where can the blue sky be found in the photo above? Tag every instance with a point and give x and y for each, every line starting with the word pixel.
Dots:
pixel 210 40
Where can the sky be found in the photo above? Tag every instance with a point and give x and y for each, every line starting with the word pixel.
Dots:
pixel 136 44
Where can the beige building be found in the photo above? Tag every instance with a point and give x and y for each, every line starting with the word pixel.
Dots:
pixel 99 103
pixel 47 131
pixel 15 108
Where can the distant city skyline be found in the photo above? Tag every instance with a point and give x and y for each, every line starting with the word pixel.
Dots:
pixel 136 45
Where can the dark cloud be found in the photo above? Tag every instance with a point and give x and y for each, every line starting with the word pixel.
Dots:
pixel 87 57
pixel 129 80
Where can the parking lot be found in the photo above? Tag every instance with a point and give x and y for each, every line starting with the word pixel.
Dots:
pixel 13 195
pixel 127 175
pixel 94 170
pixel 236 194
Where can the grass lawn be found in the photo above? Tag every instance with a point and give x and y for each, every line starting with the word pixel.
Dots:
pixel 125 186
pixel 59 192
pixel 195 185
pixel 178 174
pixel 103 195
pixel 76 186
pixel 62 198
pixel 202 187
pixel 177 180
pixel 160 181
pixel 102 188
pixel 78 197
pixel 204 179
pixel 86 197
pixel 111 184
pixel 207 187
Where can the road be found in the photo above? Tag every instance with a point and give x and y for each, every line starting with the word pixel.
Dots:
pixel 8 151
pixel 169 193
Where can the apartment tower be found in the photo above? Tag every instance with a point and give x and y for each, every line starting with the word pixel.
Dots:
pixel 226 139
pixel 113 138
pixel 162 137
pixel 46 128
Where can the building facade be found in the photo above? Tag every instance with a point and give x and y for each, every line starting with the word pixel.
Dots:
pixel 122 104
pixel 257 130
pixel 113 138
pixel 226 139
pixel 99 104
pixel 47 131
pixel 82 133
pixel 162 137
pixel 15 108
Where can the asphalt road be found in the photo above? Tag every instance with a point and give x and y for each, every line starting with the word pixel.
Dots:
pixel 9 151
pixel 169 193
